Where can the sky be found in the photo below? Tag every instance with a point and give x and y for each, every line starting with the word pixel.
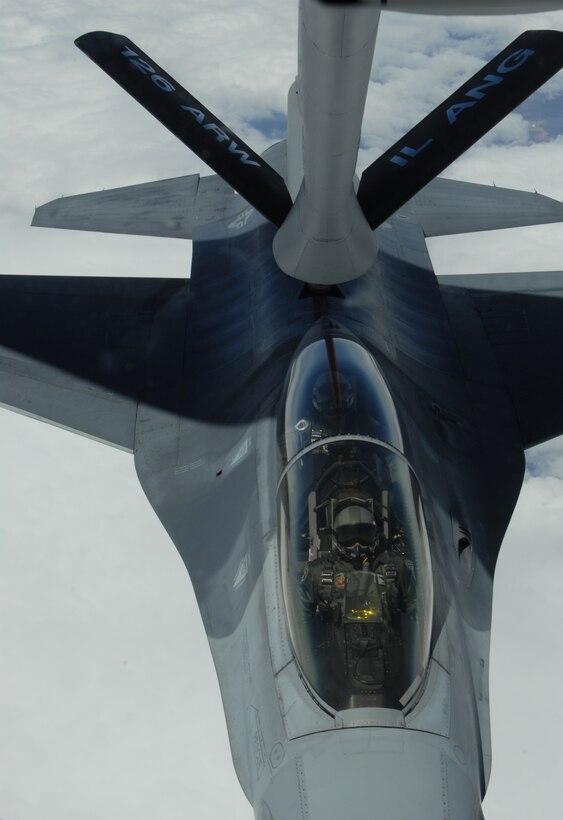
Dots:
pixel 109 705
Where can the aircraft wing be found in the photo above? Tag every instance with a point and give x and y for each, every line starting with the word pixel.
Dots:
pixel 162 208
pixel 73 350
pixel 520 317
pixel 447 206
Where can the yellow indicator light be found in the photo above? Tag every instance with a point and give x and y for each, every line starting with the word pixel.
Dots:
pixel 363 614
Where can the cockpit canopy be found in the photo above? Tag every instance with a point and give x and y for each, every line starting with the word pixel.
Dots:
pixel 335 388
pixel 355 561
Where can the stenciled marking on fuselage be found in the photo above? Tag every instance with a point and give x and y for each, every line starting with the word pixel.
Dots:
pixel 511 63
pixel 165 85
pixel 241 220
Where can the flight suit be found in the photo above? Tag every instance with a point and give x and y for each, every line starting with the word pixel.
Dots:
pixel 323 582
pixel 355 608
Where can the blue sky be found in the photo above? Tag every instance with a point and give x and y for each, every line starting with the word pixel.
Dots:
pixel 108 702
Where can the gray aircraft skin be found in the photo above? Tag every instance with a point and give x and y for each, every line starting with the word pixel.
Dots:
pixel 268 411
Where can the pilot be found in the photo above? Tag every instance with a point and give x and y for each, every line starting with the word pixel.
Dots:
pixel 358 544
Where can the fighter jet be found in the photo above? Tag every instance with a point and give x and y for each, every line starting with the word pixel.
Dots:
pixel 332 436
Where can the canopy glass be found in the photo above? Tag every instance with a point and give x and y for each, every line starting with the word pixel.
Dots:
pixel 354 552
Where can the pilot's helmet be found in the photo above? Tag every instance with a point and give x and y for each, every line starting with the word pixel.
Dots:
pixel 332 393
pixel 355 530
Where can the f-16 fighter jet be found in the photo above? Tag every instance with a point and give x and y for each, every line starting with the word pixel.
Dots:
pixel 332 436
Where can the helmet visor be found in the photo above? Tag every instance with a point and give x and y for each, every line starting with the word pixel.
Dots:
pixel 348 535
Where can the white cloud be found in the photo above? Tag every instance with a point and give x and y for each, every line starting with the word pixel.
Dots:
pixel 109 705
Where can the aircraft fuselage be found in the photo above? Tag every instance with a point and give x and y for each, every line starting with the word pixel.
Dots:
pixel 212 472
